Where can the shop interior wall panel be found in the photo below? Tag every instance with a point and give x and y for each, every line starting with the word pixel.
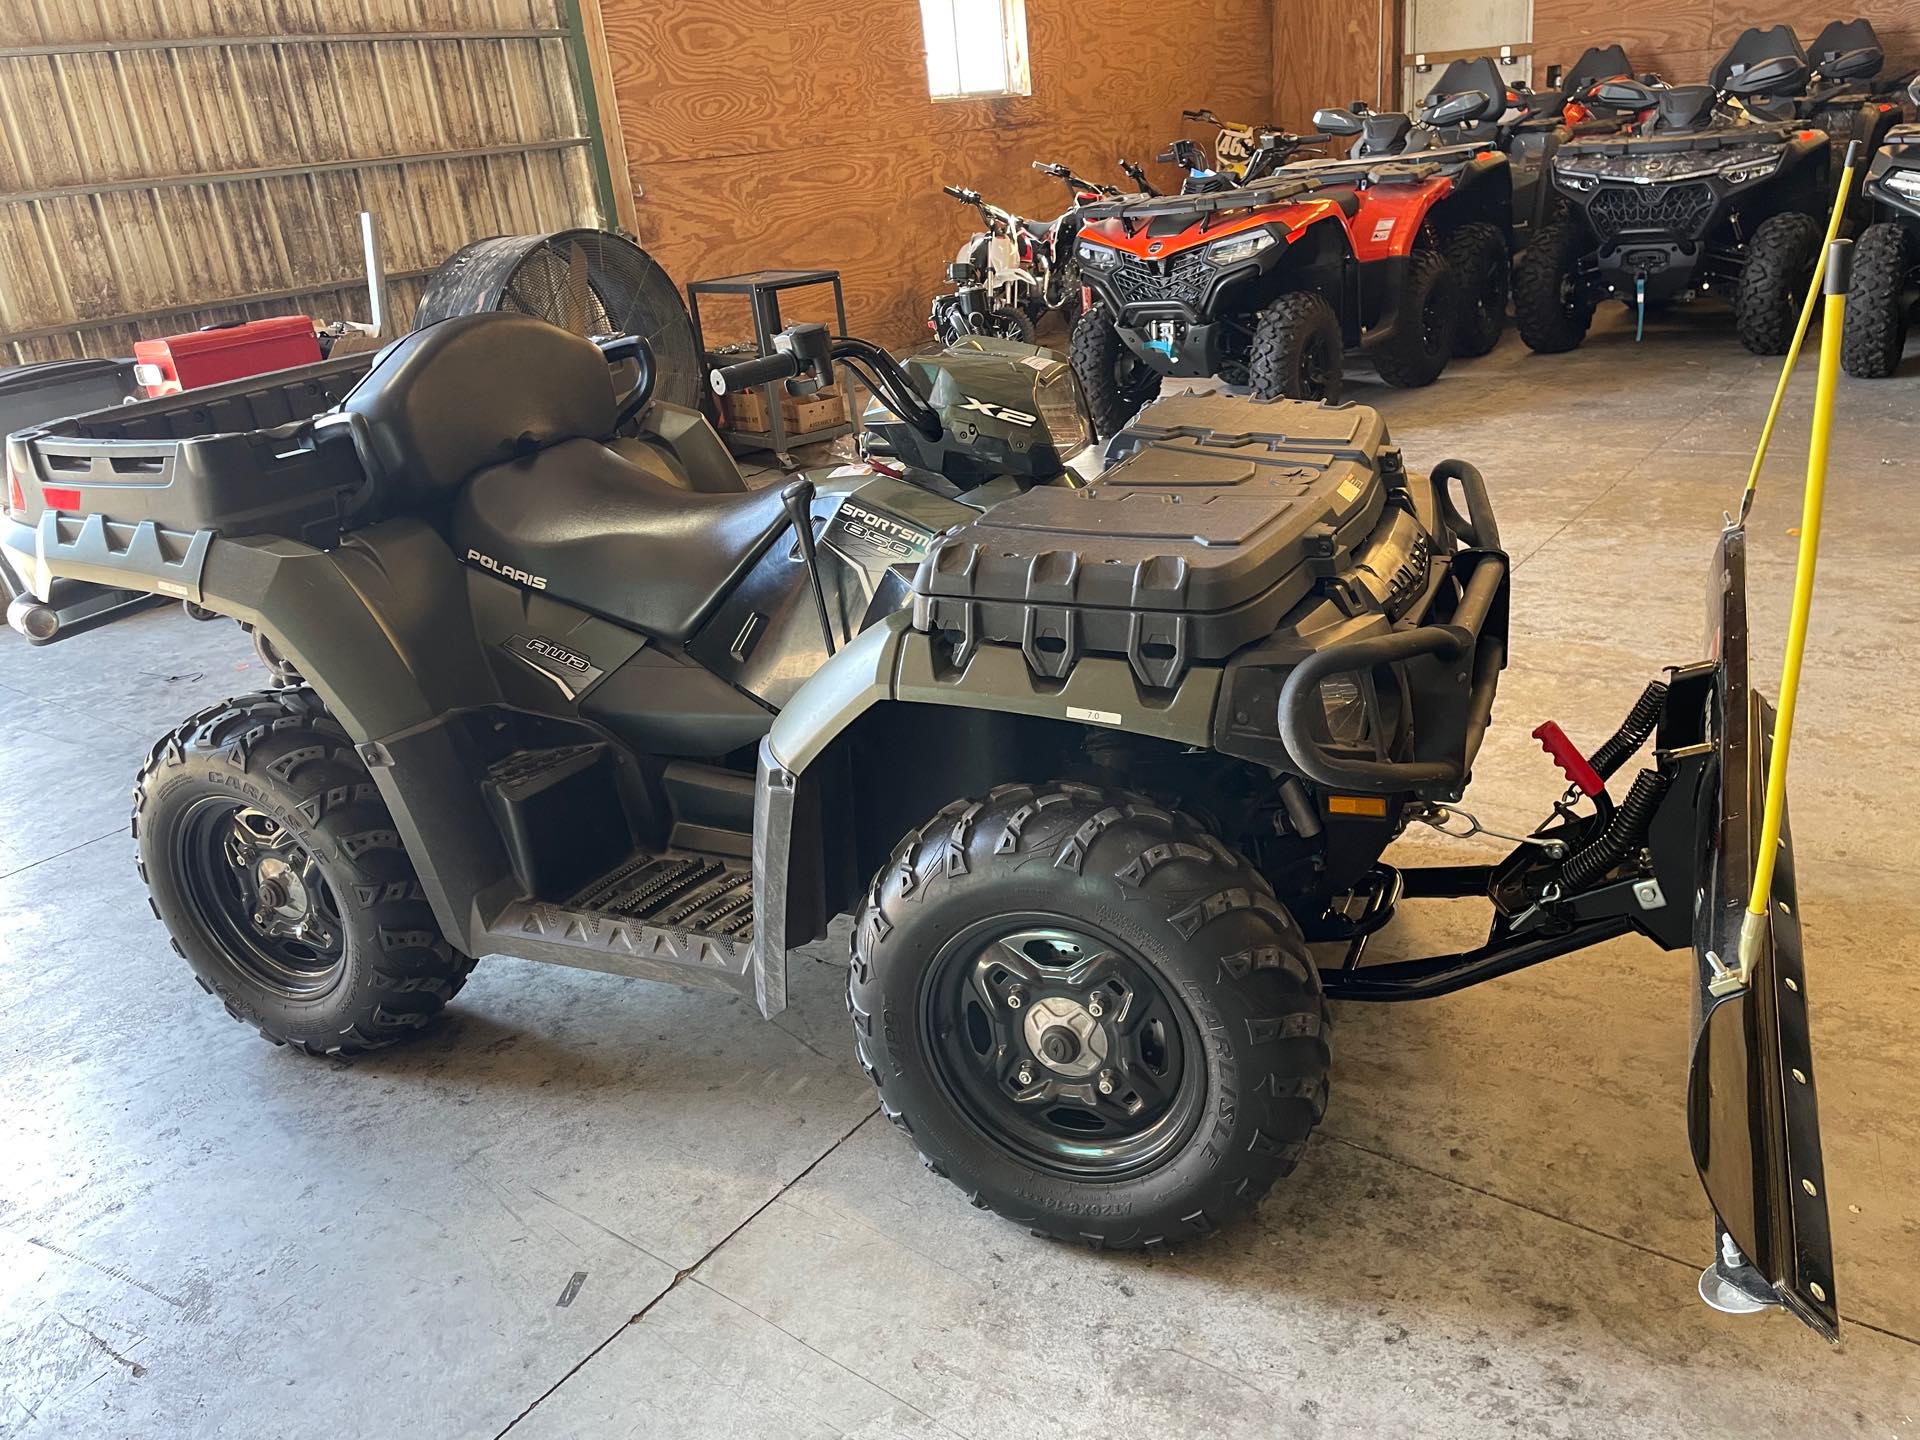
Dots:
pixel 171 163
pixel 800 132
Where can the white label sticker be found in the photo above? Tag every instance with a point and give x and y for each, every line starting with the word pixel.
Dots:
pixel 1382 229
pixel 1098 717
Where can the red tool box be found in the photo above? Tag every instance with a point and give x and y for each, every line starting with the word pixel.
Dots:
pixel 224 352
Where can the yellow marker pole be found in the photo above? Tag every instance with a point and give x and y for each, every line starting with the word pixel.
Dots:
pixel 1754 929
pixel 1806 319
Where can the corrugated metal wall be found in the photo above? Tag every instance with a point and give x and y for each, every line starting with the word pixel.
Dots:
pixel 166 164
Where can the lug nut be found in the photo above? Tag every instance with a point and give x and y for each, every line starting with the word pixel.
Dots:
pixel 1024 1075
pixel 1105 1083
pixel 1095 1008
pixel 1016 997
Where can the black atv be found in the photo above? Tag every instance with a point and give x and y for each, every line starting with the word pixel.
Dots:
pixel 1846 97
pixel 1088 780
pixel 1702 196
pixel 1886 257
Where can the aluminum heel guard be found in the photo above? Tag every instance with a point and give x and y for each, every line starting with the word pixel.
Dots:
pixel 1752 1115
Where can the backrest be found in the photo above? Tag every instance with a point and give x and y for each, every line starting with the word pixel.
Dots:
pixel 1598 62
pixel 1774 54
pixel 1464 75
pixel 1847 50
pixel 471 391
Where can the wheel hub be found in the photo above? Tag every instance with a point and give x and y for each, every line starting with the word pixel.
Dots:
pixel 1064 1037
pixel 1063 1046
pixel 263 897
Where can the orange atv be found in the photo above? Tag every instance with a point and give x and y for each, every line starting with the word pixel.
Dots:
pixel 1400 249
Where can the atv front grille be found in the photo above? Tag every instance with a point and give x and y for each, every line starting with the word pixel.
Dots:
pixel 690 892
pixel 1682 211
pixel 1179 280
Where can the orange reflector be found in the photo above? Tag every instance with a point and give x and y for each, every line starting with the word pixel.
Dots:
pixel 1374 806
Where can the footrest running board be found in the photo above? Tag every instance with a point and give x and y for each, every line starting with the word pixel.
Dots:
pixel 680 917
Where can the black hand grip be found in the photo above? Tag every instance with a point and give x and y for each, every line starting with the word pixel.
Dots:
pixel 726 379
pixel 965 197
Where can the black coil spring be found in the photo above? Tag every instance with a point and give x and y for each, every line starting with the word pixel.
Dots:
pixel 1626 831
pixel 1633 731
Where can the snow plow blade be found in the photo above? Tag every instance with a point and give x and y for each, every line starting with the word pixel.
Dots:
pixel 1752 1111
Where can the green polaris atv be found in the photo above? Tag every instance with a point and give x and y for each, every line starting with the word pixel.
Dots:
pixel 1092 765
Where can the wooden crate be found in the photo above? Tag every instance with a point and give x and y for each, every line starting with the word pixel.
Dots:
pixel 746 410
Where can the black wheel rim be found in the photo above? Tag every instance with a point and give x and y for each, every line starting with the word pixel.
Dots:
pixel 261 897
pixel 1063 1047
pixel 1131 376
pixel 1490 298
pixel 1569 294
pixel 1316 368
pixel 1433 312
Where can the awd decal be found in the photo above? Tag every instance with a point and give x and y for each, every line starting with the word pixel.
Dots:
pixel 1000 412
pixel 567 668
pixel 507 572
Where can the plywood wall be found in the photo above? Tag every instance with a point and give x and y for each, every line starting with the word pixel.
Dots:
pixel 1333 52
pixel 791 132
pixel 1682 38
pixel 171 163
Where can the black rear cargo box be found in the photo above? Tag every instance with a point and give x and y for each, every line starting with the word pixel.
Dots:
pixel 236 459
pixel 1198 542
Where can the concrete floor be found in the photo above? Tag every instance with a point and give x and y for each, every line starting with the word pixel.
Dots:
pixel 583 1207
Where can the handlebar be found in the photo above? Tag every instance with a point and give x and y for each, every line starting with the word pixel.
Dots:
pixel 1072 181
pixel 807 349
pixel 730 379
pixel 617 350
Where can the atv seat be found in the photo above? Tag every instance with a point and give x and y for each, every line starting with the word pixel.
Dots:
pixel 1382 133
pixel 470 391
pixel 1681 108
pixel 585 524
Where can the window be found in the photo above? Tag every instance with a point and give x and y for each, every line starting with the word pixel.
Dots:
pixel 975 48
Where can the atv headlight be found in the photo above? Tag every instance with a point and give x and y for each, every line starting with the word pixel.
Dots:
pixel 1905 183
pixel 1235 248
pixel 1345 704
pixel 1100 256
pixel 1753 170
pixel 1578 183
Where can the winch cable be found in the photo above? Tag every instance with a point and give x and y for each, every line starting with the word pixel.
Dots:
pixel 1755 929
pixel 1847 170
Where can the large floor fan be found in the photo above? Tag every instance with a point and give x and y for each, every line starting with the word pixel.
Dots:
pixel 591 282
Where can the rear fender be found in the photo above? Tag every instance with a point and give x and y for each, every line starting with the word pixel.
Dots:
pixel 379 626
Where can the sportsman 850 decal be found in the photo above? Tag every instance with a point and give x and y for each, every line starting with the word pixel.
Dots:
pixel 858 531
